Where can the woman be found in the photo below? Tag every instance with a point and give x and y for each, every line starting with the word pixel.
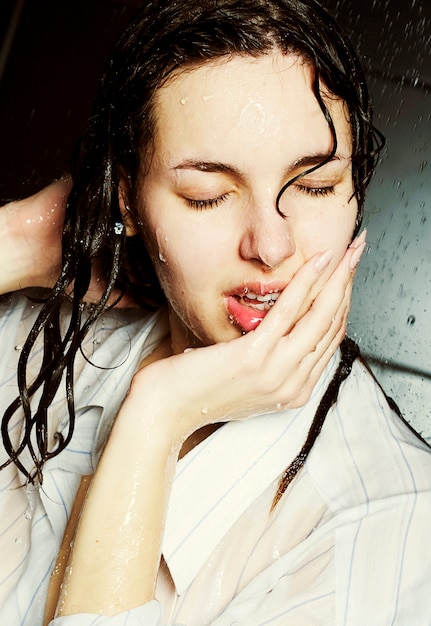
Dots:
pixel 223 171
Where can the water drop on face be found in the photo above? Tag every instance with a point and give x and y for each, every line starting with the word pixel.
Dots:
pixel 184 101
pixel 204 411
pixel 18 347
pixel 162 257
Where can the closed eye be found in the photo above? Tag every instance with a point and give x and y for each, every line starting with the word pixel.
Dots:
pixel 206 203
pixel 316 191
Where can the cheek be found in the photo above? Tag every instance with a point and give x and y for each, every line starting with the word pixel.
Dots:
pixel 332 226
pixel 180 262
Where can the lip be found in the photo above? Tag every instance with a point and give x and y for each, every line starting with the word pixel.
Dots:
pixel 246 316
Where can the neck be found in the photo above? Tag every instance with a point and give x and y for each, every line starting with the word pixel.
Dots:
pixel 181 336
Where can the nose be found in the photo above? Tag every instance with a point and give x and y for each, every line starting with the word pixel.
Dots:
pixel 267 238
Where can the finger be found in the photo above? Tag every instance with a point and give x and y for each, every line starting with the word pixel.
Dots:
pixel 284 314
pixel 319 325
pixel 282 317
pixel 315 361
pixel 311 367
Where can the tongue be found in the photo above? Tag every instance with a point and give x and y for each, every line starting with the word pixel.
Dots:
pixel 246 317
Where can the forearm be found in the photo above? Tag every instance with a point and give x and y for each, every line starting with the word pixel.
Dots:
pixel 30 250
pixel 116 553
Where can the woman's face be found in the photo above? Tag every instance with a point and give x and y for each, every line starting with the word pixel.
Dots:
pixel 228 136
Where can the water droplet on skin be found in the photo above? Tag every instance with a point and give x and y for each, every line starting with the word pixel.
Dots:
pixel 35 220
pixel 18 540
pixel 18 347
pixel 204 411
pixel 162 258
pixel 184 100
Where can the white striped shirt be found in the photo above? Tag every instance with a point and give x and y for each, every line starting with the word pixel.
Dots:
pixel 347 544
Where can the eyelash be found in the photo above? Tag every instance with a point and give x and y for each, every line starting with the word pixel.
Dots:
pixel 316 191
pixel 210 203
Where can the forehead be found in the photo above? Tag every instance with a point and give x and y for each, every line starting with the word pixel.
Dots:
pixel 252 106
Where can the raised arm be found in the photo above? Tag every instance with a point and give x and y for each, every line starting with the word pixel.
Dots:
pixel 117 549
pixel 30 250
pixel 30 245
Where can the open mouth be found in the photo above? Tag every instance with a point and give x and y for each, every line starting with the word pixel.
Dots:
pixel 261 303
pixel 248 309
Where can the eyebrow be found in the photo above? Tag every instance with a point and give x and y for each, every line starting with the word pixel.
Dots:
pixel 218 167
pixel 315 159
pixel 206 166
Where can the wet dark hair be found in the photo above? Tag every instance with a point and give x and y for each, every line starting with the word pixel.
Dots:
pixel 164 38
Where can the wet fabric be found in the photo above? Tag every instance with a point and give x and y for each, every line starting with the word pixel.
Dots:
pixel 346 544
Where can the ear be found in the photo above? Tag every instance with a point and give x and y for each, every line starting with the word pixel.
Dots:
pixel 123 200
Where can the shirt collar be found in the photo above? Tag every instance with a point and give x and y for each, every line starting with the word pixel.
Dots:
pixel 218 480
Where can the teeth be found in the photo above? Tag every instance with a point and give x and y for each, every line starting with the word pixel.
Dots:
pixel 269 296
pixel 259 302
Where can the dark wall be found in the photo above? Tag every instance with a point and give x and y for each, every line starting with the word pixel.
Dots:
pixel 48 85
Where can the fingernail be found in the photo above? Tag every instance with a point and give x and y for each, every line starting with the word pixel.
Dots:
pixel 359 240
pixel 356 256
pixel 323 261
